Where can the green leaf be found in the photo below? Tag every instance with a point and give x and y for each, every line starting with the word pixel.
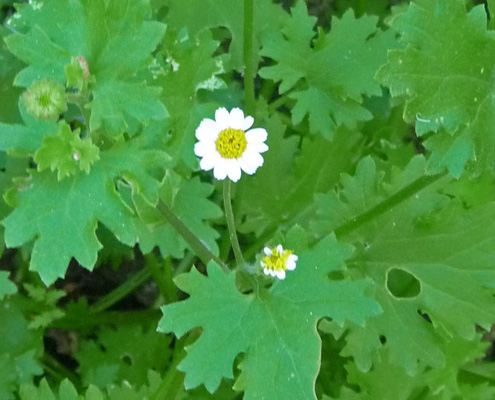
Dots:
pixel 67 153
pixel 337 69
pixel 431 383
pixel 27 138
pixel 61 216
pixel 9 67
pixel 445 76
pixel 123 354
pixel 10 168
pixel 6 285
pixel 188 68
pixel 283 190
pixel 115 103
pixel 45 59
pixel 189 200
pixel 46 310
pixel 19 350
pixel 261 199
pixel 66 391
pixel 57 32
pixel 280 321
pixel 436 245
pixel 269 17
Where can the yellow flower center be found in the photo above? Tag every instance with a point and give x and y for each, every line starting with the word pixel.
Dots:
pixel 277 261
pixel 231 143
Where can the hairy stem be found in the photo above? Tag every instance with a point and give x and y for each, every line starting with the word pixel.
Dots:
pixel 192 240
pixel 173 381
pixel 84 321
pixel 229 214
pixel 248 57
pixel 122 291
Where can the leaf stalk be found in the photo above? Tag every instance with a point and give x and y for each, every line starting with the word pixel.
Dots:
pixel 191 239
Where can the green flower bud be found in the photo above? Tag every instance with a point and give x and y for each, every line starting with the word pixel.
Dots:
pixel 45 99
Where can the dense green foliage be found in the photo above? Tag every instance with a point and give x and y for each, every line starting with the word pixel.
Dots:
pixel 121 277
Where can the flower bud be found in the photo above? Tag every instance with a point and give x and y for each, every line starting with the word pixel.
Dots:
pixel 46 100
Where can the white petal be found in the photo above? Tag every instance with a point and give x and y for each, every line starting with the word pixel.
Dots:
pixel 273 273
pixel 220 170
pixel 280 274
pixel 246 166
pixel 262 264
pixel 252 158
pixel 248 123
pixel 209 161
pixel 204 148
pixel 280 249
pixel 236 118
pixel 293 257
pixel 268 251
pixel 234 170
pixel 290 264
pixel 266 271
pixel 207 130
pixel 258 147
pixel 256 135
pixel 222 118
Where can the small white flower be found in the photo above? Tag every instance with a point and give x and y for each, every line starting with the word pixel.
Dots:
pixel 227 145
pixel 277 261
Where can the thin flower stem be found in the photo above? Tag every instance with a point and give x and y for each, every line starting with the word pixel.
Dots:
pixel 122 291
pixel 248 57
pixel 192 240
pixel 229 214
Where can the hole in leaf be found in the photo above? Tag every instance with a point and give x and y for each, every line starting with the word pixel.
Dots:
pixel 402 284
pixel 383 339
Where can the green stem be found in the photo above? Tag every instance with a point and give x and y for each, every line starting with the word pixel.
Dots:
pixel 122 291
pixel 185 264
pixel 229 214
pixel 248 57
pixel 279 103
pixel 162 277
pixel 85 321
pixel 192 240
pixel 59 371
pixel 172 382
pixel 387 204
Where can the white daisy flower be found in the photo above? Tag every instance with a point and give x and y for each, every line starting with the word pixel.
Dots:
pixel 277 261
pixel 227 145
